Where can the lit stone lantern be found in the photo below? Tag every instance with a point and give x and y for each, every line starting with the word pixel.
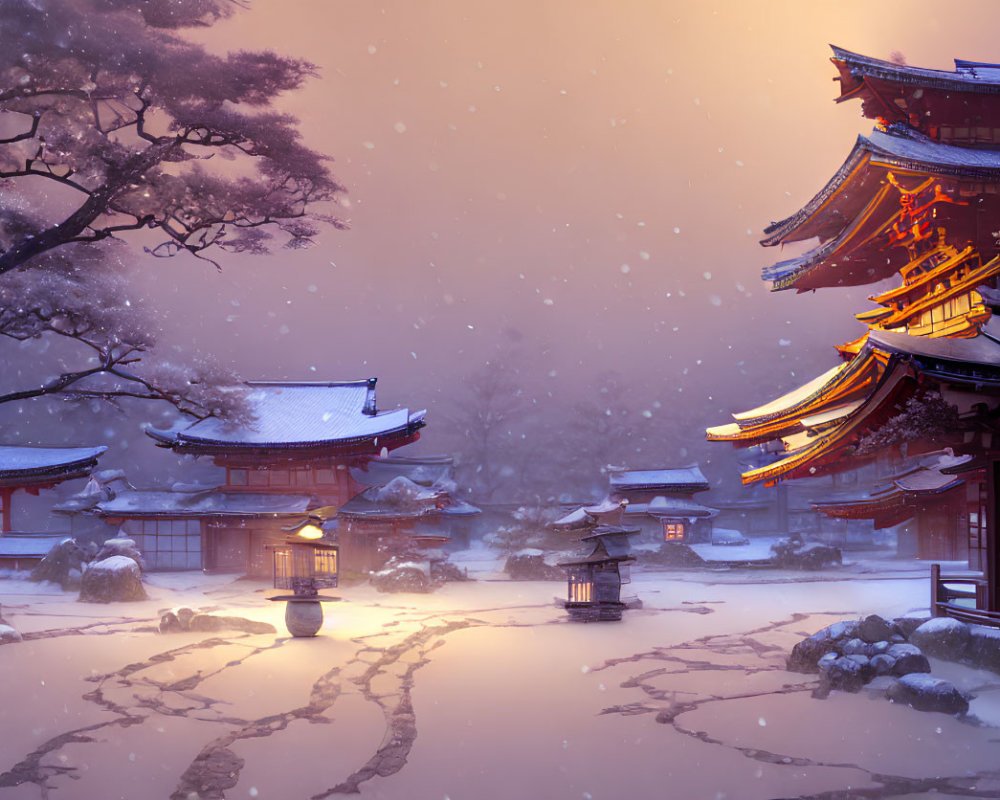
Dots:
pixel 304 564
pixel 595 581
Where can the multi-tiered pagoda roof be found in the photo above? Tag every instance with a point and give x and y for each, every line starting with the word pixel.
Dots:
pixel 919 199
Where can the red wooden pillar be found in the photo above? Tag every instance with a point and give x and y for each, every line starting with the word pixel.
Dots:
pixel 5 495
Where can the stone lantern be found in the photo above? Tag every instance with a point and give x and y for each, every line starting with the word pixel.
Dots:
pixel 595 581
pixel 304 564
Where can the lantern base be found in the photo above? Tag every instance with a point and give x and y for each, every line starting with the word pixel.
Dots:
pixel 304 615
pixel 596 612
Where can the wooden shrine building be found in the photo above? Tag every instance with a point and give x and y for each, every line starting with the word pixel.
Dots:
pixel 407 504
pixel 294 455
pixel 658 503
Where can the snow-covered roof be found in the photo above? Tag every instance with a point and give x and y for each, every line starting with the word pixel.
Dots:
pixel 299 414
pixel 28 545
pixel 669 508
pixel 609 543
pixel 967 76
pixel 689 478
pixel 423 471
pixel 793 398
pixel 27 462
pixel 153 503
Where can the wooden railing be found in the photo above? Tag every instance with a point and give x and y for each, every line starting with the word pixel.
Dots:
pixel 961 597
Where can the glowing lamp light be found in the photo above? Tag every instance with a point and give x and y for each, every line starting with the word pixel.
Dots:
pixel 310 532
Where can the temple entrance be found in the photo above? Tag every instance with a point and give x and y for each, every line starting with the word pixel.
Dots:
pixel 229 550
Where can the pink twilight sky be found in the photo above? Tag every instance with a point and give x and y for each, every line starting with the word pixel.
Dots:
pixel 586 180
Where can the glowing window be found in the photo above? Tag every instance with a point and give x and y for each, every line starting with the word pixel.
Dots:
pixel 673 531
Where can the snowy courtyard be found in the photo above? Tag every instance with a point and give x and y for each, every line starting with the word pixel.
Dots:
pixel 480 690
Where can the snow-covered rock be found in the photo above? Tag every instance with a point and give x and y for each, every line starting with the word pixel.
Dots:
pixel 113 579
pixel 532 568
pixel 404 576
pixel 8 634
pixel 725 537
pixel 908 658
pixel 846 673
pixel 907 625
pixel 121 546
pixel 63 564
pixel 883 664
pixel 927 693
pixel 874 628
pixel 943 637
pixel 806 654
pixel 984 648
pixel 213 622
pixel 856 647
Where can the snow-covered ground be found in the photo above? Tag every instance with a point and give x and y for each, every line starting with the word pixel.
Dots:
pixel 480 690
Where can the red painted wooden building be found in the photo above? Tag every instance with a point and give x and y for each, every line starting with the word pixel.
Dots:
pixel 294 454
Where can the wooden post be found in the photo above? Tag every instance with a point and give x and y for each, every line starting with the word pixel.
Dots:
pixel 935 589
pixel 6 526
pixel 992 566
pixel 781 508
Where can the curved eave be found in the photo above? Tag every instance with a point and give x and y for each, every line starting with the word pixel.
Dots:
pixel 828 444
pixel 52 473
pixel 855 65
pixel 793 228
pixel 900 149
pixel 835 388
pixel 847 259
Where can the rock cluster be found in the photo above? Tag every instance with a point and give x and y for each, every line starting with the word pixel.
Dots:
pixel 794 554
pixel 177 620
pixel 532 567
pixel 416 572
pixel 850 654
pixel 107 574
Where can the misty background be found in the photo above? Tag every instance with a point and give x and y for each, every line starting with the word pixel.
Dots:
pixel 555 210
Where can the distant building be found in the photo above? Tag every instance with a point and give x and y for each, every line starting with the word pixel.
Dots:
pixel 32 469
pixel 657 502
pixel 294 455
pixel 408 502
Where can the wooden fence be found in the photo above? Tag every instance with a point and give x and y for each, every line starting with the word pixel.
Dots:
pixel 961 597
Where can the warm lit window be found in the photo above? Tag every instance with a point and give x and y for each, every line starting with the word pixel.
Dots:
pixel 673 531
pixel 581 590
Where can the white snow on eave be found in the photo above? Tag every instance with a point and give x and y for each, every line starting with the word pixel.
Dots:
pixel 792 398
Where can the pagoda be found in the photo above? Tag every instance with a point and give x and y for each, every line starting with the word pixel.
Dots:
pixel 917 201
